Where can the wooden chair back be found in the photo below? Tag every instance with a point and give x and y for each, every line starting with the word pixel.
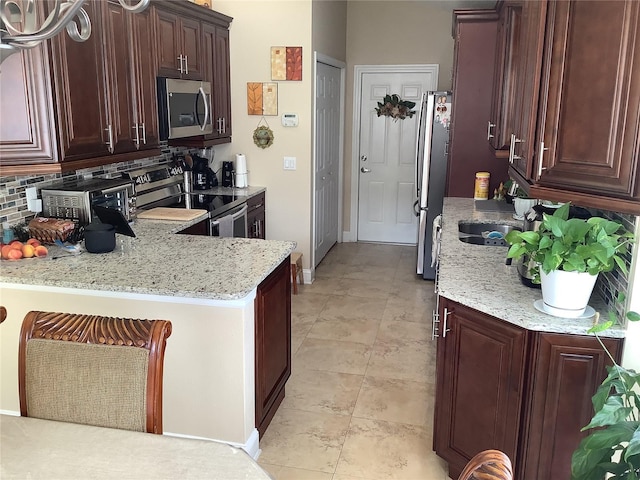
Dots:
pixel 91 369
pixel 488 465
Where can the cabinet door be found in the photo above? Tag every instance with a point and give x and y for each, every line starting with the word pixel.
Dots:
pixel 191 48
pixel 590 120
pixel 567 370
pixel 256 216
pixel 143 50
pixel 79 85
pixel 527 86
pixel 273 342
pixel 505 92
pixel 123 132
pixel 25 98
pixel 168 38
pixel 481 365
pixel 222 84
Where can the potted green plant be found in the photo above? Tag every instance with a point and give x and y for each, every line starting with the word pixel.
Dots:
pixel 569 254
pixel 613 446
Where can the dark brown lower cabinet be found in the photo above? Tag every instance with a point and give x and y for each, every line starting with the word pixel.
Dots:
pixel 273 343
pixel 480 364
pixel 564 375
pixel 200 228
pixel 256 216
pixel 523 392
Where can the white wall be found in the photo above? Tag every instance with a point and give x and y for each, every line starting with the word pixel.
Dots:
pixel 257 26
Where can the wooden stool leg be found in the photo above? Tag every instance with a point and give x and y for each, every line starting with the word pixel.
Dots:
pixel 294 278
pixel 300 271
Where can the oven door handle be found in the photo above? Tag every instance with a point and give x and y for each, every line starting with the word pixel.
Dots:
pixel 234 216
pixel 240 213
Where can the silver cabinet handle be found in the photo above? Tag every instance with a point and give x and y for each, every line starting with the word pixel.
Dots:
pixel 444 323
pixel 224 125
pixel 512 148
pixel 365 170
pixel 489 127
pixel 435 319
pixel 186 65
pixel 144 133
pixel 180 64
pixel 137 140
pixel 540 158
pixel 109 142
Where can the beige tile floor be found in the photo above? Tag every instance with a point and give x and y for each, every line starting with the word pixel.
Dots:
pixel 359 403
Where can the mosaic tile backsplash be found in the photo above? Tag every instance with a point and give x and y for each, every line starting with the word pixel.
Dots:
pixel 13 202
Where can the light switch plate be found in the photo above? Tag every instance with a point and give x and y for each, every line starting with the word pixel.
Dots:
pixel 289 163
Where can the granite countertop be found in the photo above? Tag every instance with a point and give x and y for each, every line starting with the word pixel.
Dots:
pixel 477 276
pixel 158 261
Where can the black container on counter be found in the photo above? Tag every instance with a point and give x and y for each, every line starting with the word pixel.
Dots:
pixel 99 237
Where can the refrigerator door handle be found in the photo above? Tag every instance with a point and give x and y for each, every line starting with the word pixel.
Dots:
pixel 416 208
pixel 418 138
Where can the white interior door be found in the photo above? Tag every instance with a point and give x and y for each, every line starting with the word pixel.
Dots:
pixel 328 125
pixel 386 158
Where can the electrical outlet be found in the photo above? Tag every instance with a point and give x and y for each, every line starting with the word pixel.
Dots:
pixel 289 163
pixel 31 193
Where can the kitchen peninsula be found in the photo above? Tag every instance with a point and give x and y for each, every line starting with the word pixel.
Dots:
pixel 210 288
pixel 508 376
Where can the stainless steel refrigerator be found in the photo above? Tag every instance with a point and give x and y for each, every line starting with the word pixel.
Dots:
pixel 432 145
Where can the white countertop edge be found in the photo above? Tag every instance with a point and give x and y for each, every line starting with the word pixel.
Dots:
pixel 231 303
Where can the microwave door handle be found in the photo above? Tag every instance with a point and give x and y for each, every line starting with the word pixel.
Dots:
pixel 206 108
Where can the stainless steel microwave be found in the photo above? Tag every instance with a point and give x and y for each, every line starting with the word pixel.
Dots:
pixel 184 108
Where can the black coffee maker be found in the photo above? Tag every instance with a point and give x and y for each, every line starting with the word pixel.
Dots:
pixel 227 174
pixel 203 176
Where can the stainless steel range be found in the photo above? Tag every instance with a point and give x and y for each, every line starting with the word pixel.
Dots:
pixel 170 186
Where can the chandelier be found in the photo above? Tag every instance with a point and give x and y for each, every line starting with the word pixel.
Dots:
pixel 19 28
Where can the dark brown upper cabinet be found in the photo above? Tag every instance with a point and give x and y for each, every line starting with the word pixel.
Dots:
pixel 589 119
pixel 102 95
pixel 25 94
pixel 508 54
pixel 79 105
pixel 179 45
pixel 566 103
pixel 216 70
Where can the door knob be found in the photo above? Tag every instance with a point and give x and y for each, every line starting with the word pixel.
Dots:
pixel 365 170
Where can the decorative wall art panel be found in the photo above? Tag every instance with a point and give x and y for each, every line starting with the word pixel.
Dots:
pixel 262 98
pixel 286 63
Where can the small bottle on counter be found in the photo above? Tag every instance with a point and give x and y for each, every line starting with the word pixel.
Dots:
pixel 481 191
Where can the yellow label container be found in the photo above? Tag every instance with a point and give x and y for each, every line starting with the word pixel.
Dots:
pixel 481 192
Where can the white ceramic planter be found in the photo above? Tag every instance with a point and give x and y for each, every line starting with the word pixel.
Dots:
pixel 566 294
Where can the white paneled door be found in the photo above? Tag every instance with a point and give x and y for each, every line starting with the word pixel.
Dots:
pixel 387 156
pixel 327 158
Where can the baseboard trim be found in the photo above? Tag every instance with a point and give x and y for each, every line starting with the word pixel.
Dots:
pixel 348 237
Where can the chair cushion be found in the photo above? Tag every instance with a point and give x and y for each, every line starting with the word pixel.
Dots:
pixel 102 385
